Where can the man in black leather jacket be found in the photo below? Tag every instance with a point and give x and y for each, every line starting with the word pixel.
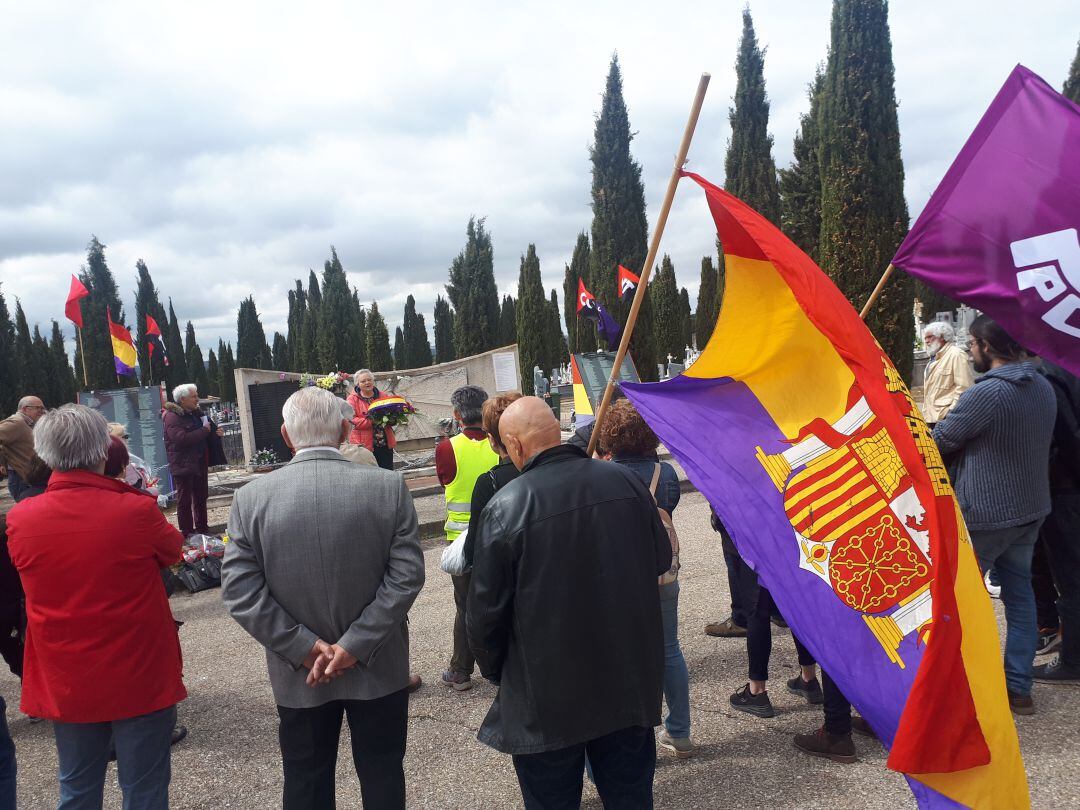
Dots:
pixel 564 615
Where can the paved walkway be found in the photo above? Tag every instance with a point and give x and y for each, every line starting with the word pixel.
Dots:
pixel 230 759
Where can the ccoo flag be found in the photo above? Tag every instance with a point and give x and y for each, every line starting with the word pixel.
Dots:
pixel 123 348
pixel 806 442
pixel 627 283
pixel 1000 232
pixel 589 307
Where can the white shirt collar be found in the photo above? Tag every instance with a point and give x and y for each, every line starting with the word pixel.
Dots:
pixel 313 449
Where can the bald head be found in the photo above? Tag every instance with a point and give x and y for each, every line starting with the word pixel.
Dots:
pixel 32 408
pixel 528 427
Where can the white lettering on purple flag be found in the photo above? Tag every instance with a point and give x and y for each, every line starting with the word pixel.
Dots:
pixel 1047 258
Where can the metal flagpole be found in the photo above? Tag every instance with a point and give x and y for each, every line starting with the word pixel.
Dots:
pixel 654 247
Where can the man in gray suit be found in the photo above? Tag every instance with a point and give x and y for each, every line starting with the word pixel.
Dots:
pixel 322 567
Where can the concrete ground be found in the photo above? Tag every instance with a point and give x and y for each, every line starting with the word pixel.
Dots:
pixel 230 758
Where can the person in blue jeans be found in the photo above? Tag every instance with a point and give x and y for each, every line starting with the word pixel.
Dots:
pixel 626 439
pixel 997 439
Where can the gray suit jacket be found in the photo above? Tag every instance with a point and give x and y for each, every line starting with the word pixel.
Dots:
pixel 324 548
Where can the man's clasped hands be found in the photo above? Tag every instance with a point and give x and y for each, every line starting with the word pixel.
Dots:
pixel 326 662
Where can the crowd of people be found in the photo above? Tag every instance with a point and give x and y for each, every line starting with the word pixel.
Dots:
pixel 569 601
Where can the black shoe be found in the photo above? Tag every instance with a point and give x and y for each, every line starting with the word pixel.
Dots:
pixel 759 705
pixel 1057 671
pixel 178 733
pixel 811 690
pixel 1049 641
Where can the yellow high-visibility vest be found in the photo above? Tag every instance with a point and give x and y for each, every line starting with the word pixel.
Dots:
pixel 473 458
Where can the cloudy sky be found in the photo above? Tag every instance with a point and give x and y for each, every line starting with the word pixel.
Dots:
pixel 230 144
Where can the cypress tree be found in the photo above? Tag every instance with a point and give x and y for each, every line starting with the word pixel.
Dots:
pixel 31 374
pixel 557 353
pixel 686 318
pixel 228 365
pixel 357 354
pixel 378 341
pixel 309 346
pixel 531 311
pixel 193 356
pixel 800 185
pixel 444 331
pixel 147 302
pixel 664 291
pixel 863 213
pixel 42 358
pixel 10 382
pixel 620 231
pixel 578 337
pixel 707 300
pixel 297 308
pixel 508 321
pixel 1071 90
pixel 61 366
pixel 252 350
pixel 213 375
pixel 335 316
pixel 280 352
pixel 399 349
pixel 473 293
pixel 416 349
pixel 177 372
pixel 97 342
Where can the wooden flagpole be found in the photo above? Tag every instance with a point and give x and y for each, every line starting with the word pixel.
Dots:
pixel 877 291
pixel 82 354
pixel 650 259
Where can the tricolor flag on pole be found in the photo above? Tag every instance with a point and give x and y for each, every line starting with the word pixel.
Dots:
pixel 154 331
pixel 627 283
pixel 806 442
pixel 1001 231
pixel 72 309
pixel 124 355
pixel 589 307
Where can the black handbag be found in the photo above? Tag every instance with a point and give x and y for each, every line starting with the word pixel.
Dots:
pixel 200 575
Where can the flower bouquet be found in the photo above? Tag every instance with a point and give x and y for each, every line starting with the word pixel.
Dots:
pixel 336 381
pixel 390 412
pixel 264 460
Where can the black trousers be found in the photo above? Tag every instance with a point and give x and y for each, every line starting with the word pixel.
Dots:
pixel 1042 583
pixel 309 749
pixel 384 457
pixel 623 764
pixel 837 708
pixel 735 569
pixel 760 609
pixel 1061 535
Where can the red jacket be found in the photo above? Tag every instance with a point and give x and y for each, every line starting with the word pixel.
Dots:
pixel 100 640
pixel 363 431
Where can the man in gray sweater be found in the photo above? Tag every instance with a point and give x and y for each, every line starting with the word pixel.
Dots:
pixel 997 439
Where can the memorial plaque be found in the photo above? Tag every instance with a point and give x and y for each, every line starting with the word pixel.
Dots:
pixel 267 400
pixel 595 369
pixel 139 411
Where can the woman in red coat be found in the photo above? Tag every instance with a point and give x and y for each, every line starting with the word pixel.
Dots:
pixel 377 439
pixel 102 654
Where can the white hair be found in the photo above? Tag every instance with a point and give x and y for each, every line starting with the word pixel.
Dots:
pixel 939 329
pixel 356 377
pixel 313 418
pixel 72 437
pixel 183 390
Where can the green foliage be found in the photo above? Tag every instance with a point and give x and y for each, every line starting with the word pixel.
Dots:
pixel 668 332
pixel 356 355
pixel 280 352
pixel 1071 90
pixel 707 302
pixel 60 371
pixel 749 167
pixel 194 358
pixel 508 321
pixel 336 316
pixel 97 342
pixel 863 213
pixel 473 293
pixel 531 311
pixel 227 385
pixel 33 378
pixel 444 331
pixel 309 347
pixel 399 349
pixel 50 390
pixel 579 334
pixel 213 375
pixel 555 346
pixel 378 341
pixel 416 349
pixel 10 382
pixel 147 302
pixel 176 373
pixel 295 322
pixel 252 350
pixel 800 185
pixel 686 318
pixel 620 231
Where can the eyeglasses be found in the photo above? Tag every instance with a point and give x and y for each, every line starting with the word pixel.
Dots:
pixel 126 436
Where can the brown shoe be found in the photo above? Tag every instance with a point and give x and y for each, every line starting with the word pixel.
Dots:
pixel 860 726
pixel 820 743
pixel 1021 704
pixel 725 629
pixel 415 683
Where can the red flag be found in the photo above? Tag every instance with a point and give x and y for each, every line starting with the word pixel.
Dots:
pixel 626 282
pixel 72 309
pixel 584 297
pixel 152 331
pixel 152 327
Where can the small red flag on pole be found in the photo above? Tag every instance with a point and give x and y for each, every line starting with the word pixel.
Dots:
pixel 72 309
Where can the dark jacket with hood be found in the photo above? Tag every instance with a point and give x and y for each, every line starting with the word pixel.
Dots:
pixel 999 434
pixel 564 612
pixel 1065 448
pixel 189 446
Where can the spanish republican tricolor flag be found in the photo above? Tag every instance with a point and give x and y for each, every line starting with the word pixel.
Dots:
pixel 123 347
pixel 805 440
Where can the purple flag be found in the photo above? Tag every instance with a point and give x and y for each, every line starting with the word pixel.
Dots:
pixel 1000 231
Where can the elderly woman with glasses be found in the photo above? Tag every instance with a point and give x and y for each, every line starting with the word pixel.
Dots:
pixel 102 656
pixel 376 438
